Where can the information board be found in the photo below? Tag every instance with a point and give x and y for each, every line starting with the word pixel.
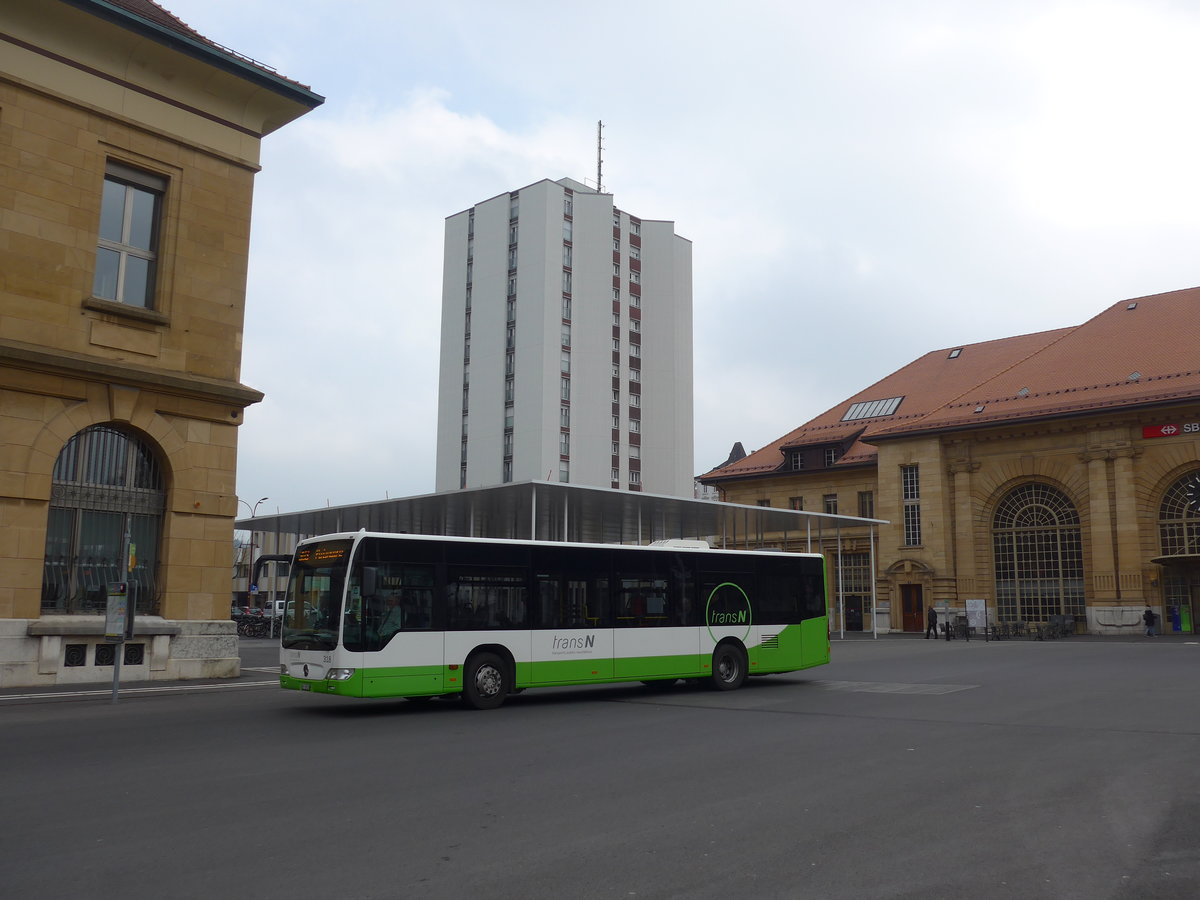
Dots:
pixel 117 614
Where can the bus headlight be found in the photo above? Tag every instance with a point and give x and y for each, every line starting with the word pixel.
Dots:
pixel 339 674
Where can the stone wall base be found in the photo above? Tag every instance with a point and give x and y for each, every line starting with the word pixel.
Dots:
pixel 69 650
pixel 1117 621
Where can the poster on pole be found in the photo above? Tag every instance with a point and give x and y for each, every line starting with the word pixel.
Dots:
pixel 117 612
pixel 977 612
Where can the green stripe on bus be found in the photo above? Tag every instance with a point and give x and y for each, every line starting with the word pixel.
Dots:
pixel 792 648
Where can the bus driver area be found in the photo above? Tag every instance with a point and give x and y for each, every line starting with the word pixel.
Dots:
pixel 376 615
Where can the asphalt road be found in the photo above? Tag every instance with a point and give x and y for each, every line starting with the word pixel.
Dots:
pixel 906 769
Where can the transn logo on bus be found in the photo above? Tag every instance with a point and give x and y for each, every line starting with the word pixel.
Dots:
pixel 728 618
pixel 577 644
pixel 728 605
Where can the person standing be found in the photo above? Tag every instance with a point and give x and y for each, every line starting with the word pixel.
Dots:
pixel 931 623
pixel 1148 617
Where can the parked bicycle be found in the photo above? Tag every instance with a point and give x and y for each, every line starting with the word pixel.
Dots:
pixel 254 626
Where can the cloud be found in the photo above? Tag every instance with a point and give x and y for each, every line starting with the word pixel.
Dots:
pixel 1111 140
pixel 861 183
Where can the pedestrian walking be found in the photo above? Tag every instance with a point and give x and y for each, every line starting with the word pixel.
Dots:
pixel 931 623
pixel 1149 618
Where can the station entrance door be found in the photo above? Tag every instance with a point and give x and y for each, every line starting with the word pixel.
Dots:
pixel 912 603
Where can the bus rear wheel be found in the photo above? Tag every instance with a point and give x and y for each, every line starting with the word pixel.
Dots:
pixel 728 667
pixel 485 681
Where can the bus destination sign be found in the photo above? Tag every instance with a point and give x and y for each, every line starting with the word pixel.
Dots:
pixel 1173 430
pixel 324 552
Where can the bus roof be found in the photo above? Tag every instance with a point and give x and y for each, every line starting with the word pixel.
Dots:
pixel 661 547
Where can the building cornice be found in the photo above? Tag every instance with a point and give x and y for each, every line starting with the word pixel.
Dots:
pixel 206 51
pixel 90 368
pixel 716 478
pixel 998 423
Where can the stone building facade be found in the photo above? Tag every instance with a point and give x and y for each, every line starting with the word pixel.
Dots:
pixel 128 149
pixel 1049 474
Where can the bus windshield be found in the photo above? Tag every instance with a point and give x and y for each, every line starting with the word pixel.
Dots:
pixel 314 595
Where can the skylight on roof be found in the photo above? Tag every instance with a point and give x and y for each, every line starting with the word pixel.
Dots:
pixel 871 409
pixel 954 353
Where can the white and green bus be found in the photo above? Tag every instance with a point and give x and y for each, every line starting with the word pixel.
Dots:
pixel 397 615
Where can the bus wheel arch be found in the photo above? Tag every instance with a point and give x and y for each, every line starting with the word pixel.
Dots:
pixel 730 663
pixel 487 677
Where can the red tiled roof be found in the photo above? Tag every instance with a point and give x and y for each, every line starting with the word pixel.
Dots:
pixel 1050 373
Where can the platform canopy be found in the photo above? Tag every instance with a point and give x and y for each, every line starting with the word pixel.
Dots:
pixel 550 511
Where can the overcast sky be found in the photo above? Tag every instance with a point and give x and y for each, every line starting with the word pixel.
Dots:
pixel 862 182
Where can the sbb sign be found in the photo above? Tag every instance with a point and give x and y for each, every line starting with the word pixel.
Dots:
pixel 1157 431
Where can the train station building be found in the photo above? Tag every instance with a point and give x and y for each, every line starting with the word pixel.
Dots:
pixel 1048 474
pixel 128 149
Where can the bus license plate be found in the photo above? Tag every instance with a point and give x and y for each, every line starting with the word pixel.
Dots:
pixel 306 687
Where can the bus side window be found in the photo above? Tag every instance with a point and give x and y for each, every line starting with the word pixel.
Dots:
pixel 644 602
pixel 791 595
pixel 483 597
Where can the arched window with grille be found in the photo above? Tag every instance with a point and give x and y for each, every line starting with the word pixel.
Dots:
pixel 1179 536
pixel 1038 555
pixel 1179 517
pixel 106 494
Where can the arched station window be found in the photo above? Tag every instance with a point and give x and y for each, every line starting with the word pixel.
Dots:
pixel 1038 555
pixel 1179 517
pixel 106 493
pixel 1179 536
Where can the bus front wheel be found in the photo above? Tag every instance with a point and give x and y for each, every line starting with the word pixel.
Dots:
pixel 485 681
pixel 728 667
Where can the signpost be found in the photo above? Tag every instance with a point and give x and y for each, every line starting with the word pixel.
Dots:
pixel 116 621
pixel 119 614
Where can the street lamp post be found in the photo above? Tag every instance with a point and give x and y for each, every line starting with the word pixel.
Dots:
pixel 250 569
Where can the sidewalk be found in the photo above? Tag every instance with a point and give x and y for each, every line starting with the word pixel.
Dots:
pixel 249 679
pixel 1131 638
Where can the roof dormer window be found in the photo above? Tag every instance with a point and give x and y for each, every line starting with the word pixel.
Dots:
pixel 872 409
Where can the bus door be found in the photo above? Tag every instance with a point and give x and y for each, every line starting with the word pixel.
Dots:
pixel 654 636
pixel 391 621
pixel 572 642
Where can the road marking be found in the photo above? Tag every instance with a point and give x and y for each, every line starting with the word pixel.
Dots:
pixel 144 690
pixel 889 687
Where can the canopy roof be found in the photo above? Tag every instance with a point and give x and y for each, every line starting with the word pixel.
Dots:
pixel 543 510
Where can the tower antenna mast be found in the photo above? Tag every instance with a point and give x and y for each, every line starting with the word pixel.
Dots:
pixel 599 157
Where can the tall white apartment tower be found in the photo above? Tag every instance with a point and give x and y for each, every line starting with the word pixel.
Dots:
pixel 566 345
